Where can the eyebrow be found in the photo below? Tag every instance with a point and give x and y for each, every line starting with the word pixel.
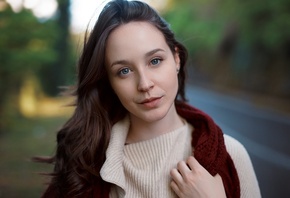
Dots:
pixel 150 53
pixel 124 62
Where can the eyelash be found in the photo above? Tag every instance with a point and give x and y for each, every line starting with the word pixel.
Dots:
pixel 154 59
pixel 128 69
pixel 122 70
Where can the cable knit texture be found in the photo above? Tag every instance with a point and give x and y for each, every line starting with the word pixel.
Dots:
pixel 149 162
pixel 248 181
pixel 209 150
pixel 145 165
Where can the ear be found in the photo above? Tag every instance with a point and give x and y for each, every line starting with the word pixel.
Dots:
pixel 177 58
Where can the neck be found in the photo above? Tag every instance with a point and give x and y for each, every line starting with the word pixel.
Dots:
pixel 141 130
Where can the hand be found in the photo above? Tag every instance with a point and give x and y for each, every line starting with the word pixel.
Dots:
pixel 190 179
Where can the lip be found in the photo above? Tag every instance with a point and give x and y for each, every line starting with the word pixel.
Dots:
pixel 151 102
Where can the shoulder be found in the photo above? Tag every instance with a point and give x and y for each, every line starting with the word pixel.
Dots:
pixel 238 154
pixel 248 181
pixel 234 147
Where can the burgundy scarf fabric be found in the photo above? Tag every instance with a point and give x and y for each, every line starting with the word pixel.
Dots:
pixel 209 150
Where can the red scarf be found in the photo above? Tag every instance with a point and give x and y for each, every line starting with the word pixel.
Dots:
pixel 209 150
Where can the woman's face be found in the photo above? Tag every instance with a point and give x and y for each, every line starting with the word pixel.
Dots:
pixel 142 71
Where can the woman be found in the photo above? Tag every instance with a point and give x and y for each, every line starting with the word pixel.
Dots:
pixel 132 134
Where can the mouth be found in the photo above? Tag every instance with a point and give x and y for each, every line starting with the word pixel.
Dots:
pixel 148 100
pixel 151 102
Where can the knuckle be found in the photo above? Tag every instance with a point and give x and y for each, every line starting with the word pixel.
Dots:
pixel 190 159
pixel 179 164
pixel 172 171
pixel 199 173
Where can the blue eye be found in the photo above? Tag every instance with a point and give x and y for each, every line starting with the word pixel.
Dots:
pixel 155 61
pixel 124 71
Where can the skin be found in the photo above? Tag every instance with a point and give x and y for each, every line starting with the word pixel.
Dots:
pixel 190 179
pixel 142 71
pixel 142 67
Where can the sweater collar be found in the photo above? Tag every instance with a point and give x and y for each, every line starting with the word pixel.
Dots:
pixel 112 169
pixel 208 143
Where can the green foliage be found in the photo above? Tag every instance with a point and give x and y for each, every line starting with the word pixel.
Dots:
pixel 196 31
pixel 26 44
pixel 204 21
pixel 30 46
pixel 60 72
pixel 264 21
pixel 232 41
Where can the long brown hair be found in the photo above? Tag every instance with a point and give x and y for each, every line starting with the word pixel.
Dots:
pixel 83 140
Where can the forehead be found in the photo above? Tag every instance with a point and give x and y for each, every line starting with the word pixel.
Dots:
pixel 134 37
pixel 136 28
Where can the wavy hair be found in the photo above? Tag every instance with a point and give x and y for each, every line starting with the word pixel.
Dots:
pixel 84 138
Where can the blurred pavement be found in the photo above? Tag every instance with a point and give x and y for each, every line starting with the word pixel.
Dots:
pixel 264 132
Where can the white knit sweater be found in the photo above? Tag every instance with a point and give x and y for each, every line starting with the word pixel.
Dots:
pixel 142 169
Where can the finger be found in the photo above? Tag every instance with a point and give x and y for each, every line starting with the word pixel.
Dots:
pixel 193 164
pixel 218 178
pixel 183 168
pixel 175 188
pixel 176 176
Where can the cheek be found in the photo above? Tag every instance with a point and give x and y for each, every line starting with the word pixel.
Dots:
pixel 171 83
pixel 170 78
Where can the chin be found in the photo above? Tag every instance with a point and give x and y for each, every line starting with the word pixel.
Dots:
pixel 154 116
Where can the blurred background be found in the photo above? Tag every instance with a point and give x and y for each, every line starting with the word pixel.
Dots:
pixel 238 72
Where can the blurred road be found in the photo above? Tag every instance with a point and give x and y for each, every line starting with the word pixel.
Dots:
pixel 264 133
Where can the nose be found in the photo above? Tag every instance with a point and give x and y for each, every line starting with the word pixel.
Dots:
pixel 145 83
